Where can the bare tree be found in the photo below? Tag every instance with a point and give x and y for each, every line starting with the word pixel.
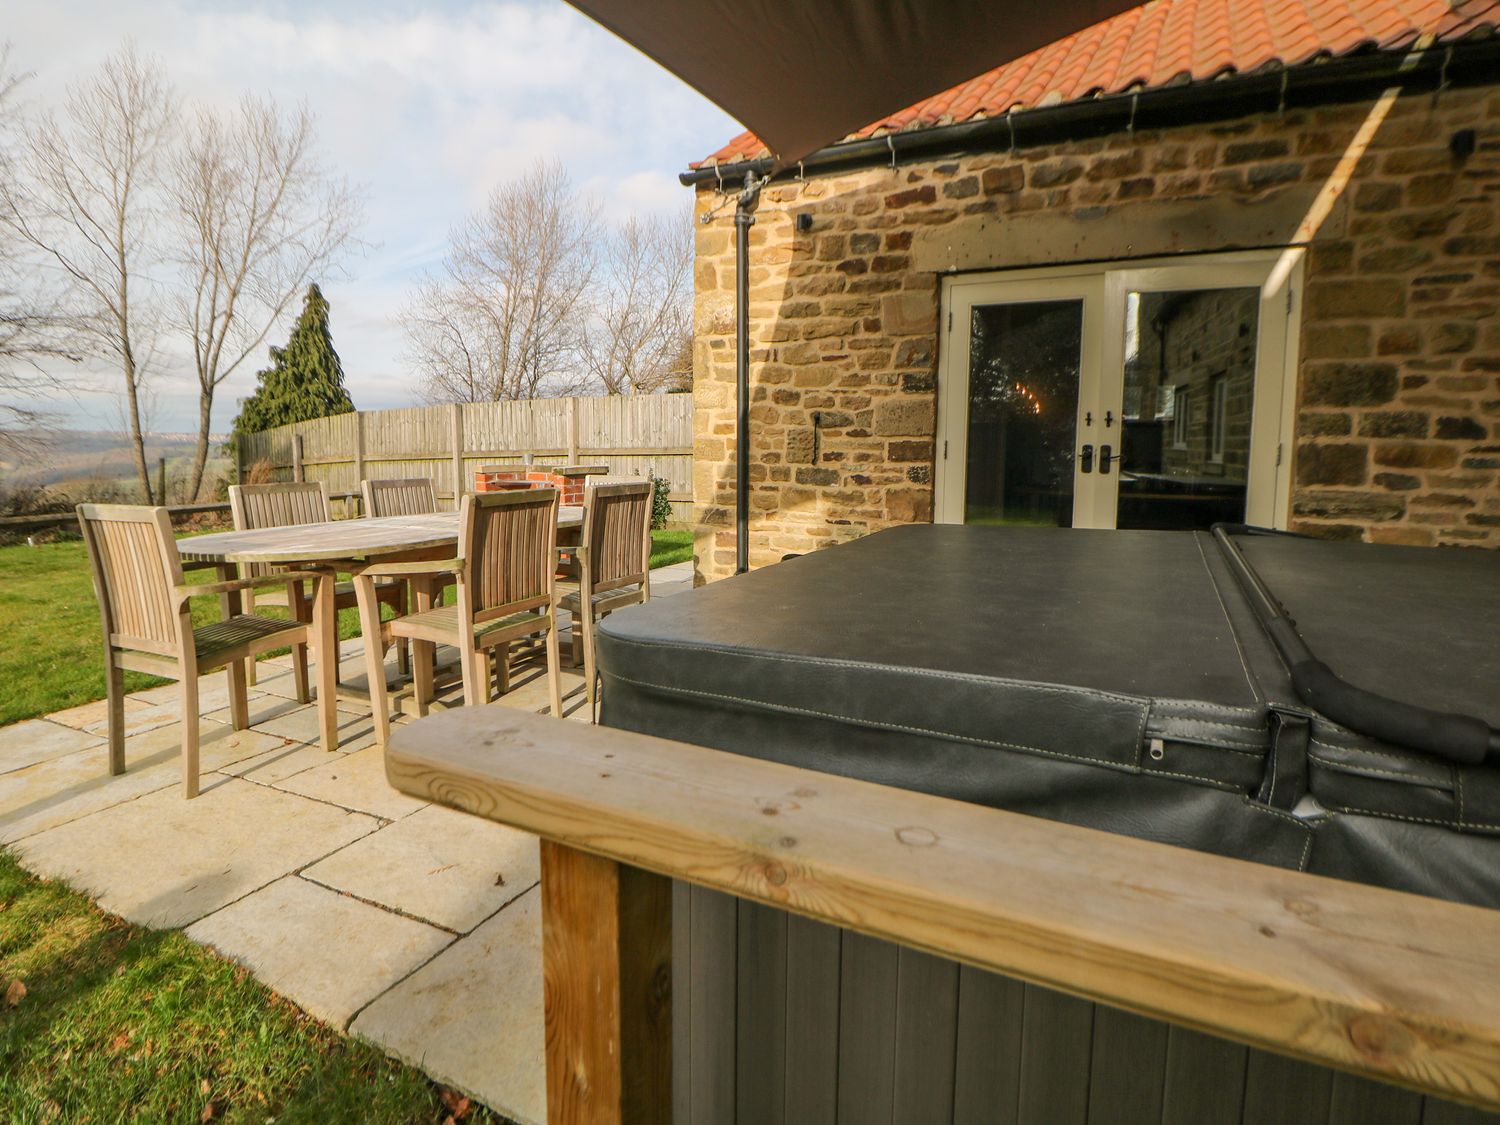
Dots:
pixel 641 326
pixel 85 196
pixel 503 319
pixel 259 217
pixel 32 330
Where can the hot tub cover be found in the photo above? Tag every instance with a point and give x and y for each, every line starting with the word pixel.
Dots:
pixel 1122 680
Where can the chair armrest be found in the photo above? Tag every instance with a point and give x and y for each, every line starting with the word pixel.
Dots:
pixel 402 569
pixel 189 590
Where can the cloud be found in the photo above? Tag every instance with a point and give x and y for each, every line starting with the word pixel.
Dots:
pixel 428 108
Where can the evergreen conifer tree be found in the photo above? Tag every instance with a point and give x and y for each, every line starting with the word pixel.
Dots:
pixel 305 379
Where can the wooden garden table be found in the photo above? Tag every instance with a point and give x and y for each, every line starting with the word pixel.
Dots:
pixel 328 548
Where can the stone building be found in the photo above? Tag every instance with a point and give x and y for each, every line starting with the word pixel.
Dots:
pixel 1210 259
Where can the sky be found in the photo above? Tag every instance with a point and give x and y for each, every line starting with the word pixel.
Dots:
pixel 425 106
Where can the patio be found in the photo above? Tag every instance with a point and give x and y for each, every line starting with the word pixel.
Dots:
pixel 291 852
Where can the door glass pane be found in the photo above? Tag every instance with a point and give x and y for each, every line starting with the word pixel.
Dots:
pixel 1023 408
pixel 1189 389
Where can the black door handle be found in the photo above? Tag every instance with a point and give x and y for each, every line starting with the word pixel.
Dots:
pixel 1104 458
pixel 1086 459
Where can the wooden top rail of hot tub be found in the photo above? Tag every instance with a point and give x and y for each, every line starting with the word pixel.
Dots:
pixel 1394 986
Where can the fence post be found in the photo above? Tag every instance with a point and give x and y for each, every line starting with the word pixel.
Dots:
pixel 457 425
pixel 359 444
pixel 297 458
pixel 161 481
pixel 572 430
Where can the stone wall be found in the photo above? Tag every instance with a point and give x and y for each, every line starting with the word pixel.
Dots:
pixel 1398 432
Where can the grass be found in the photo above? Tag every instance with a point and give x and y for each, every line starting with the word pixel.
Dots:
pixel 105 1021
pixel 668 547
pixel 50 621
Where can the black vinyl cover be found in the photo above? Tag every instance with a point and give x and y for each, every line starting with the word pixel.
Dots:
pixel 1121 680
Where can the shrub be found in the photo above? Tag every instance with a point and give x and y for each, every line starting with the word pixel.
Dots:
pixel 661 506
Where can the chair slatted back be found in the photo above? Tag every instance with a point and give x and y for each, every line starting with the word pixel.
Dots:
pixel 136 568
pixel 412 496
pixel 285 504
pixel 508 540
pixel 617 533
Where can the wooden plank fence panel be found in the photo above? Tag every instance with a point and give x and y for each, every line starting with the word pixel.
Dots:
pixel 632 436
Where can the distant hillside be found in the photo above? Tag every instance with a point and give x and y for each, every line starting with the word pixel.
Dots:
pixel 68 455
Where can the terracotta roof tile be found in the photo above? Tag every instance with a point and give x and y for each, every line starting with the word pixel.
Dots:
pixel 1165 40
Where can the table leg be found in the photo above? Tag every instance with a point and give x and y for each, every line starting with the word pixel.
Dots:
pixel 423 653
pixel 238 670
pixel 326 642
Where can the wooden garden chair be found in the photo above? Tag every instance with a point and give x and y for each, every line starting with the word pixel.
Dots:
pixel 614 564
pixel 504 582
pixel 145 611
pixel 287 504
pixel 405 496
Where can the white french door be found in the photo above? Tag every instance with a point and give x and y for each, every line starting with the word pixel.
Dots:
pixel 1148 395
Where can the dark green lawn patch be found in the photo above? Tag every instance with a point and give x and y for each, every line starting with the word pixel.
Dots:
pixel 103 1021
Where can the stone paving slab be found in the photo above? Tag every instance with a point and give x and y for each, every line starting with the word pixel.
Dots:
pixel 285 760
pixel 353 781
pixel 164 861
pixel 75 785
pixel 139 720
pixel 86 715
pixel 333 953
pixel 437 864
pixel 356 730
pixel 40 740
pixel 472 1016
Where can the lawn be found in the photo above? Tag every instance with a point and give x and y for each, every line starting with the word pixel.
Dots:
pixel 668 547
pixel 104 1021
pixel 50 621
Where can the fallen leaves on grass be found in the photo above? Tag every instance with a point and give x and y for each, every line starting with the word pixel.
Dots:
pixel 457 1105
pixel 14 994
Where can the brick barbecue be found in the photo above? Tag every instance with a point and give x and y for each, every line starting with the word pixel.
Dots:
pixel 570 480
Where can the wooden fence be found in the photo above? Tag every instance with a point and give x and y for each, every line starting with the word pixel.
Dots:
pixel 632 435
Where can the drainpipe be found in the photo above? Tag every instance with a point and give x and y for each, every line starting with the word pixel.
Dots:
pixel 744 219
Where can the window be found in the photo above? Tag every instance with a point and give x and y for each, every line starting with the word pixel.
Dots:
pixel 1182 422
pixel 1218 392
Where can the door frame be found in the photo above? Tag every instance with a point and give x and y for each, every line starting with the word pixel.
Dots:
pixel 1103 286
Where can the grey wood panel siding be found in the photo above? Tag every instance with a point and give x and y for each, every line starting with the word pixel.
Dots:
pixel 1281 1089
pixel 1359 1101
pixel 1128 1062
pixel 711 1007
pixel 761 1060
pixel 1205 1079
pixel 867 1030
pixel 1057 1034
pixel 778 1020
pixel 987 1064
pixel 1435 1112
pixel 926 1033
pixel 682 969
pixel 813 954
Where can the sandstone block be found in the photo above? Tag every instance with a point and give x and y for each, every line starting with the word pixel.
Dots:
pixel 1323 463
pixel 900 417
pixel 1349 384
